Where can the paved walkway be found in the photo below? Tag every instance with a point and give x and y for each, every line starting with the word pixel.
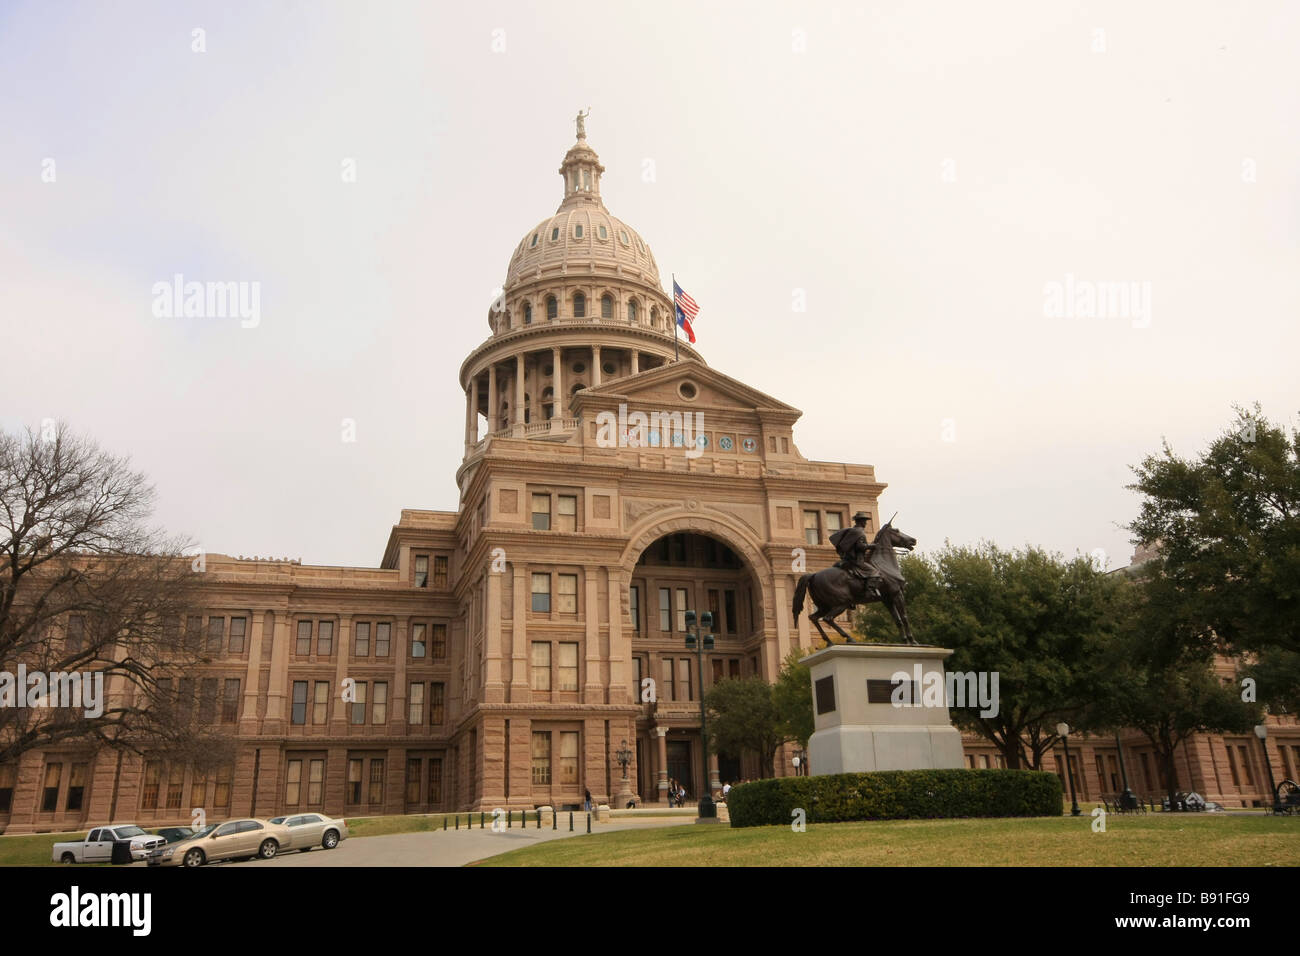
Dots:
pixel 450 847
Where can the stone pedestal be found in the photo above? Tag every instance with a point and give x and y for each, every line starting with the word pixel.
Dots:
pixel 872 710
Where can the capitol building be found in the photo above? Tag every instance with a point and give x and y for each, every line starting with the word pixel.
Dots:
pixel 500 652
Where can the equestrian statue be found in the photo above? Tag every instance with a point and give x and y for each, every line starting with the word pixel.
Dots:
pixel 866 572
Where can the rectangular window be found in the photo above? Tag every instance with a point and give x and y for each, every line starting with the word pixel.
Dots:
pixel 1245 767
pixel 437 695
pixel 541 757
pixel 568 674
pixel 316 783
pixel 175 786
pixel 193 632
pixel 834 522
pixel 207 700
pixel 566 513
pixel 354 781
pixel 325 638
pixel 293 783
pixel 716 666
pixel 76 786
pixel 679 548
pixel 376 795
pixel 198 789
pixel 569 757
pixel 730 598
pixel 230 701
pixel 542 592
pixel 715 608
pixel 634 607
pixel 541 512
pixel 541 665
pixel 435 780
pixel 566 593
pixel 76 634
pixel 8 777
pixel 684 683
pixel 422 571
pixel 216 634
pixel 221 792
pixel 439 570
pixel 238 628
pixel 152 777
pixel 413 779
pixel 665 610
pixel 299 712
pixel 1232 765
pixel 379 709
pixel 415 714
pixel 361 639
pixel 359 702
pixel 185 699
pixel 733 667
pixel 383 638
pixel 438 641
pixel 812 530
pixel 321 703
pixel 417 640
pixel 682 601
pixel 667 668
pixel 303 647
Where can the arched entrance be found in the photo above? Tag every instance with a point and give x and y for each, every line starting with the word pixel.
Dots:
pixel 697 564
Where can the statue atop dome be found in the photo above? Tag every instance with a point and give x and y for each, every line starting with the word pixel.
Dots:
pixel 582 123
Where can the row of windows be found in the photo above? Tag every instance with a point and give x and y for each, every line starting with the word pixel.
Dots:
pixel 566 666
pixel 427 640
pixel 566 759
pixel 812 525
pixel 366 694
pixel 677 678
pixel 578 309
pixel 182 698
pixel 170 781
pixel 579 231
pixel 423 781
pixel 672 614
pixel 440 564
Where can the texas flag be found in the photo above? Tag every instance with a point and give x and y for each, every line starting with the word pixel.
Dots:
pixel 686 310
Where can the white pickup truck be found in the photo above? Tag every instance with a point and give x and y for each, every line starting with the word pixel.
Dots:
pixel 98 845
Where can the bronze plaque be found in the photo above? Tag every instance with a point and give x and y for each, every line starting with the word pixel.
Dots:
pixel 825 690
pixel 882 692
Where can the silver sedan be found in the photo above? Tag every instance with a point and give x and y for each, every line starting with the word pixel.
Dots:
pixel 307 830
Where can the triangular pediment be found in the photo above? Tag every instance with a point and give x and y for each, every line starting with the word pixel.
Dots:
pixel 686 385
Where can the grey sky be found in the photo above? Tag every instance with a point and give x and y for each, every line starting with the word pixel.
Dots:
pixel 774 170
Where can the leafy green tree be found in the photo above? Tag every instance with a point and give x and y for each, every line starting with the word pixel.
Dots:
pixel 1227 528
pixel 1161 679
pixel 743 716
pixel 792 695
pixel 1035 619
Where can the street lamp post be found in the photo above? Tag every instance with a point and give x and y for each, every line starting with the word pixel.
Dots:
pixel 624 756
pixel 1063 730
pixel 699 640
pixel 1261 732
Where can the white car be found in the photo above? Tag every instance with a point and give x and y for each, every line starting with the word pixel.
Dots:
pixel 97 847
pixel 307 830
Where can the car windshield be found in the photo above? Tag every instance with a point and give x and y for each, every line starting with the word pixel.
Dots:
pixel 125 832
pixel 202 833
pixel 278 819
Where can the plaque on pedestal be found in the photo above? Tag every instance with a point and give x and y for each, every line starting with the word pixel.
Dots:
pixel 881 707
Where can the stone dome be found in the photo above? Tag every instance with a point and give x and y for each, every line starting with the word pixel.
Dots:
pixel 582 238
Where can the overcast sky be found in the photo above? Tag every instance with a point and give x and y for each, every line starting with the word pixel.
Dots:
pixel 915 175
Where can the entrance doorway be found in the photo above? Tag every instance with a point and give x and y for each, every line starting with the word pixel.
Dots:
pixel 679 765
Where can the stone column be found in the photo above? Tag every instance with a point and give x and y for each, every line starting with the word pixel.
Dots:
pixel 493 422
pixel 561 400
pixel 338 722
pixel 519 393
pixel 278 686
pixel 662 733
pixel 494 690
pixel 401 651
pixel 593 691
pixel 520 687
pixel 252 672
pixel 470 420
pixel 595 365
pixel 636 356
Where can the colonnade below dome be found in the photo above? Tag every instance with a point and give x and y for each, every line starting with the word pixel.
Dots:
pixel 527 393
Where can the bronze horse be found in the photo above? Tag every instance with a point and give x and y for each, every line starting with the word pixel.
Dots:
pixel 834 590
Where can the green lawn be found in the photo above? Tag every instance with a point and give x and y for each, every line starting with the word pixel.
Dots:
pixel 1145 840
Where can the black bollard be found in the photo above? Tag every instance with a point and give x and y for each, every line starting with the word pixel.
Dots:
pixel 458 821
pixel 539 819
pixel 555 819
pixel 588 822
pixel 570 821
pixel 480 819
pixel 444 821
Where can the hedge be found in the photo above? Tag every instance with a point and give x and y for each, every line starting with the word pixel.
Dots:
pixel 897 795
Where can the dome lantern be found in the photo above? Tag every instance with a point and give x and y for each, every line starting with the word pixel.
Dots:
pixel 581 170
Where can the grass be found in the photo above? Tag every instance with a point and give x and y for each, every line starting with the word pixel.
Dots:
pixel 1148 840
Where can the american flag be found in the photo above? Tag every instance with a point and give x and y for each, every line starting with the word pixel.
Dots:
pixel 686 310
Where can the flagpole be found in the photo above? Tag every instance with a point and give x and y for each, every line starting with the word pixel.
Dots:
pixel 674 275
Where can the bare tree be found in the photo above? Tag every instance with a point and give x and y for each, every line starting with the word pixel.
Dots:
pixel 91 598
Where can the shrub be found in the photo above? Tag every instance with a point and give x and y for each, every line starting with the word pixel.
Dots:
pixel 897 795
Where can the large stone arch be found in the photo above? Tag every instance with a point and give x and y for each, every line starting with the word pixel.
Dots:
pixel 727 529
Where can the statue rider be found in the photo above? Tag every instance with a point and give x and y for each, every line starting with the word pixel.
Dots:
pixel 855 550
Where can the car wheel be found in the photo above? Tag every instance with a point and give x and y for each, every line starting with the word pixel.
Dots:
pixel 331 839
pixel 194 857
pixel 268 849
pixel 67 858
